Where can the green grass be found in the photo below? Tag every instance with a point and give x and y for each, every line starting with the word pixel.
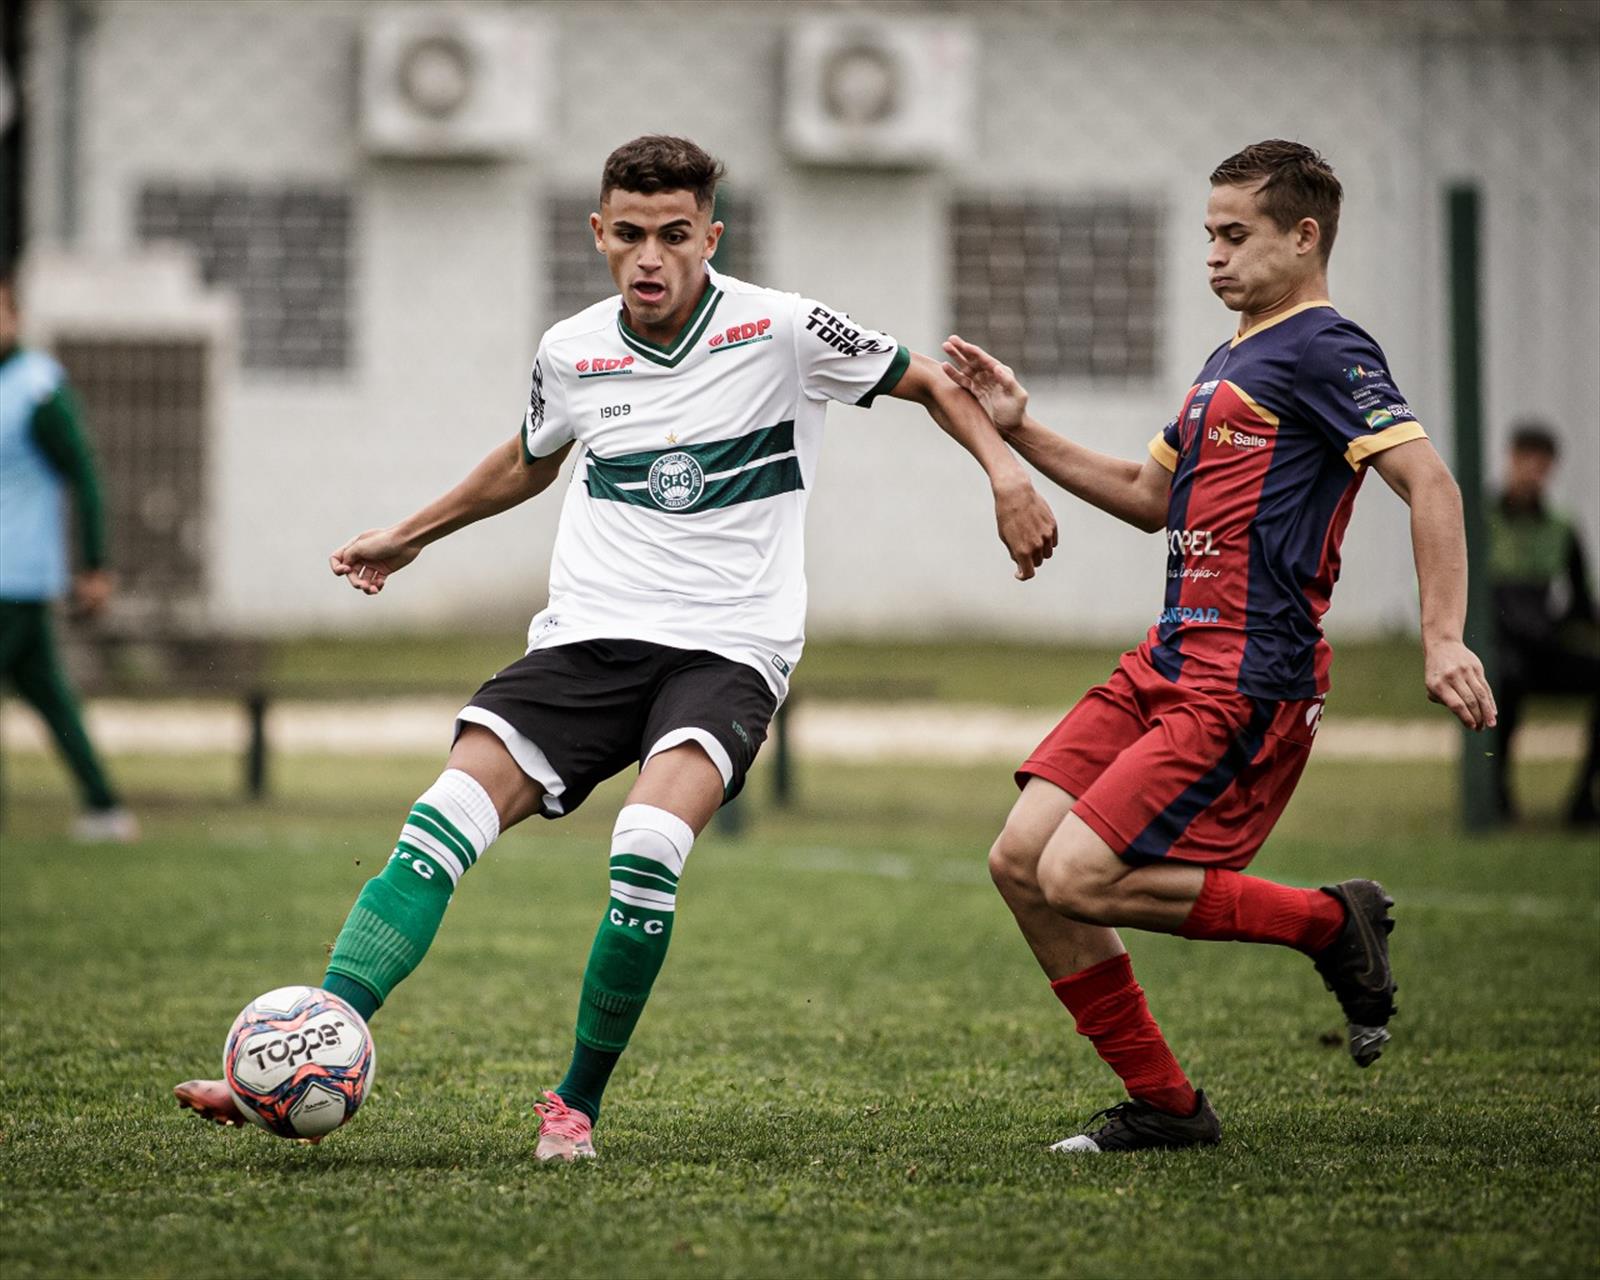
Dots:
pixel 850 1067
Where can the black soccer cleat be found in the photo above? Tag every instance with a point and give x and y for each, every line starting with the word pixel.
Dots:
pixel 1137 1126
pixel 1356 967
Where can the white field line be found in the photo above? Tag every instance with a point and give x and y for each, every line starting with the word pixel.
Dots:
pixel 853 732
pixel 973 871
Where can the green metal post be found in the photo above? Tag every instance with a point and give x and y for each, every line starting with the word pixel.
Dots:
pixel 782 759
pixel 730 819
pixel 255 755
pixel 1478 810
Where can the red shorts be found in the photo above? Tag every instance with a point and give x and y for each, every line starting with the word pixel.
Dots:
pixel 1161 770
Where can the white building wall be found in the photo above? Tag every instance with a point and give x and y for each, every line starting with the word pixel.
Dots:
pixel 1074 98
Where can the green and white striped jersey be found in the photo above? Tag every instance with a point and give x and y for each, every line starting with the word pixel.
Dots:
pixel 684 523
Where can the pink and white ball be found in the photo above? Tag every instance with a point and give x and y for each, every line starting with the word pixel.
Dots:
pixel 299 1061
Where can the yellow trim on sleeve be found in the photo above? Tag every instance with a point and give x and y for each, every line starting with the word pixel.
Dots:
pixel 1164 453
pixel 1278 319
pixel 1363 448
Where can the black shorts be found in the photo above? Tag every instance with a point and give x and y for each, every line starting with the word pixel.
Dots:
pixel 574 715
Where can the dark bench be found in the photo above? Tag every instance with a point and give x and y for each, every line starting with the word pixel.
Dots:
pixel 108 661
pixel 112 661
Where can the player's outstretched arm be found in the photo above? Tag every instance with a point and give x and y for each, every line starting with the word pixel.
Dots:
pixel 1026 523
pixel 1118 486
pixel 498 483
pixel 1452 672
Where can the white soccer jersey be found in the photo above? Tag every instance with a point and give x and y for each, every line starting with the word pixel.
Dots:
pixel 684 522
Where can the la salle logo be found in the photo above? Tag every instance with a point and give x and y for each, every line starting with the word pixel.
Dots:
pixel 1222 433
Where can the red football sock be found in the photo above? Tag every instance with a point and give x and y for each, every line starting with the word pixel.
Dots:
pixel 1238 908
pixel 1109 1008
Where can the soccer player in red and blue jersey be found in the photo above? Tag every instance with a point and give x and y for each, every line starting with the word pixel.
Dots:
pixel 1145 804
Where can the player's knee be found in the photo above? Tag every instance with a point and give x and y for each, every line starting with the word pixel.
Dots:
pixel 481 755
pixel 1069 884
pixel 1012 863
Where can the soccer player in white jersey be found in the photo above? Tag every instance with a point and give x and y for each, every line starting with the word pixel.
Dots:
pixel 677 591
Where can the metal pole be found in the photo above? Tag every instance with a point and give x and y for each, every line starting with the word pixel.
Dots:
pixel 730 819
pixel 782 760
pixel 1478 809
pixel 255 760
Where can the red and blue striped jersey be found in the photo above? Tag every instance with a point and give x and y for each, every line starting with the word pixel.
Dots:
pixel 1266 457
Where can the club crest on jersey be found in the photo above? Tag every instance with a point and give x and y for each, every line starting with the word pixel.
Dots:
pixel 676 481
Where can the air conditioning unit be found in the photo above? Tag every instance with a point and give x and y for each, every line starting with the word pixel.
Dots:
pixel 880 92
pixel 454 83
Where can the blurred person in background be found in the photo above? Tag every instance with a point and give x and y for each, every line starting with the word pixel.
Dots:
pixel 43 456
pixel 1546 626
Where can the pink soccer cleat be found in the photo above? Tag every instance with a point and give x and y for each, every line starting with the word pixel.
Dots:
pixel 564 1132
pixel 210 1100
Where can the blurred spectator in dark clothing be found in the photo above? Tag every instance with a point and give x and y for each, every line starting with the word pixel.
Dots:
pixel 1546 624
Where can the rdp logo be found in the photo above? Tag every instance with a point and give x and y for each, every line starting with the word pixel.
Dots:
pixel 748 331
pixel 604 364
pixel 296 1047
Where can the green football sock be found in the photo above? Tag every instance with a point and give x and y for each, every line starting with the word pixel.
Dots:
pixel 586 1078
pixel 623 964
pixel 648 850
pixel 398 912
pixel 360 997
pixel 388 930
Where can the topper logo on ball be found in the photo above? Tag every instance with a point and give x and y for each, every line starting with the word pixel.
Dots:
pixel 297 1046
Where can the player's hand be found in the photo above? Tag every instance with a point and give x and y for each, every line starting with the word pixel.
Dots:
pixel 91 592
pixel 971 367
pixel 1027 525
pixel 368 559
pixel 1455 678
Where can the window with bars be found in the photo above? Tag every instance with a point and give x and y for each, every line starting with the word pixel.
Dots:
pixel 578 275
pixel 1058 288
pixel 285 250
pixel 144 406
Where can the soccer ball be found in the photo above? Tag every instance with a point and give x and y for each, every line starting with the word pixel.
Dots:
pixel 299 1061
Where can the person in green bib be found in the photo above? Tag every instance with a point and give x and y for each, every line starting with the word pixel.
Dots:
pixel 1546 625
pixel 44 458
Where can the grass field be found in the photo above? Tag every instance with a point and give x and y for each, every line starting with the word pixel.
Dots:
pixel 850 1067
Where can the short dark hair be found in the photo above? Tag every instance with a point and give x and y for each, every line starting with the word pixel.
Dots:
pixel 1299 184
pixel 660 162
pixel 1534 437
